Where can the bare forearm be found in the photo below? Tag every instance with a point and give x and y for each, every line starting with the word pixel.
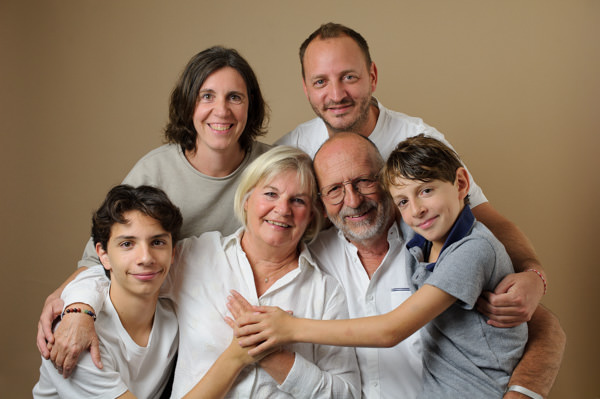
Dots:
pixel 541 361
pixel 219 379
pixel 384 330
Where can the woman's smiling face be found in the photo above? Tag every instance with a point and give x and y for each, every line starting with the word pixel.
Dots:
pixel 278 210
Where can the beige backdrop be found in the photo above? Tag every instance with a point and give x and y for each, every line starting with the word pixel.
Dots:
pixel 514 86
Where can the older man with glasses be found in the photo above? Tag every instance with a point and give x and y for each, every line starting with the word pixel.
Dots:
pixel 366 253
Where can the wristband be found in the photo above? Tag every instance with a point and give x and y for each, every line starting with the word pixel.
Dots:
pixel 78 310
pixel 541 276
pixel 527 392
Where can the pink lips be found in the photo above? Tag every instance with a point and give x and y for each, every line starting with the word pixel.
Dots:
pixel 427 224
pixel 145 276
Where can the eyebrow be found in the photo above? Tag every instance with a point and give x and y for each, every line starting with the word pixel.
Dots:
pixel 294 195
pixel 125 237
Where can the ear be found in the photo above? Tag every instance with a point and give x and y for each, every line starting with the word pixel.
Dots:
pixel 373 76
pixel 462 182
pixel 103 255
pixel 304 87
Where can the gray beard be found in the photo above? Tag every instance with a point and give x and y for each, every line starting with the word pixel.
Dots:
pixel 366 230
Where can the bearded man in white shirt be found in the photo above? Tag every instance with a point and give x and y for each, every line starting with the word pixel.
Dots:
pixel 365 251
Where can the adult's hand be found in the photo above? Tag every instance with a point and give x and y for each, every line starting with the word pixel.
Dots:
pixel 52 308
pixel 514 300
pixel 74 334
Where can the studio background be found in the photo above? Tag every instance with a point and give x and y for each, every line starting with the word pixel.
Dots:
pixel 514 86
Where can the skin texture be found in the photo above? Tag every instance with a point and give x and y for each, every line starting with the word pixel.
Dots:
pixel 219 119
pixel 339 84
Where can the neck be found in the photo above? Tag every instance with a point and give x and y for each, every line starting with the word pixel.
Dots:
pixel 136 313
pixel 216 163
pixel 371 252
pixel 268 264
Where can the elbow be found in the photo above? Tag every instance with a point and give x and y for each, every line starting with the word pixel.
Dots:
pixel 388 338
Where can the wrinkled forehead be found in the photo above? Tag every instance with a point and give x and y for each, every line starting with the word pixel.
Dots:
pixel 338 163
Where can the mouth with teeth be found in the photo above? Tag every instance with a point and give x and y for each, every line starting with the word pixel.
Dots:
pixel 220 127
pixel 279 224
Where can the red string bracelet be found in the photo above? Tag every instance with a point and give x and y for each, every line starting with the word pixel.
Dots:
pixel 541 276
pixel 78 310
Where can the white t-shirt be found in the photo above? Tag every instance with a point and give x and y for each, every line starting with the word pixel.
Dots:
pixel 392 127
pixel 144 371
pixel 206 269
pixel 386 372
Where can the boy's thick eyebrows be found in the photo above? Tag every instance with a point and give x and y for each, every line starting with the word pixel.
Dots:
pixel 130 237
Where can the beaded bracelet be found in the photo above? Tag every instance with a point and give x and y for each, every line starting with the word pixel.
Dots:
pixel 78 310
pixel 541 276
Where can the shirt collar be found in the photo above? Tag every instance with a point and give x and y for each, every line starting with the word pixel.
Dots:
pixel 460 229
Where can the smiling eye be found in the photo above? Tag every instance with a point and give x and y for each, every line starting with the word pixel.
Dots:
pixel 319 83
pixel 299 201
pixel 236 98
pixel 349 78
pixel 402 203
pixel 206 97
pixel 426 191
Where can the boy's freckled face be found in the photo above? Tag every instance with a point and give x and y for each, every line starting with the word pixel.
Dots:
pixel 429 208
pixel 139 255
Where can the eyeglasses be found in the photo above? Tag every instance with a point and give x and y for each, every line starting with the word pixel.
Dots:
pixel 335 193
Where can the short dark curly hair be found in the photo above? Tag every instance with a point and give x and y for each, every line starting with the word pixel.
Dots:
pixel 150 201
pixel 184 98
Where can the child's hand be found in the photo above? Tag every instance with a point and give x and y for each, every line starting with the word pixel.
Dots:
pixel 513 301
pixel 267 327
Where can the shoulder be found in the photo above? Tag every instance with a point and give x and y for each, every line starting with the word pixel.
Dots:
pixel 259 148
pixel 155 163
pixel 326 242
pixel 307 136
pixel 166 151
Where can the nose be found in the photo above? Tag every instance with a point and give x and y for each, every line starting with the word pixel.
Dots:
pixel 221 107
pixel 417 208
pixel 337 92
pixel 283 207
pixel 352 198
pixel 144 255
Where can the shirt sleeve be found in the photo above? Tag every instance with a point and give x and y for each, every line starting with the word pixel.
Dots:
pixel 87 381
pixel 335 372
pixel 89 287
pixel 90 256
pixel 465 270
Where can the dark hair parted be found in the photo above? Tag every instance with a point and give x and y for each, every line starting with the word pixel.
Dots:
pixel 332 30
pixel 150 201
pixel 421 158
pixel 184 98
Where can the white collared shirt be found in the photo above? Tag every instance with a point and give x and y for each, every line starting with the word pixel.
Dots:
pixel 385 372
pixel 205 270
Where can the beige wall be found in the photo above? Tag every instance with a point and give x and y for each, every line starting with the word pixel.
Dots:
pixel 513 85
